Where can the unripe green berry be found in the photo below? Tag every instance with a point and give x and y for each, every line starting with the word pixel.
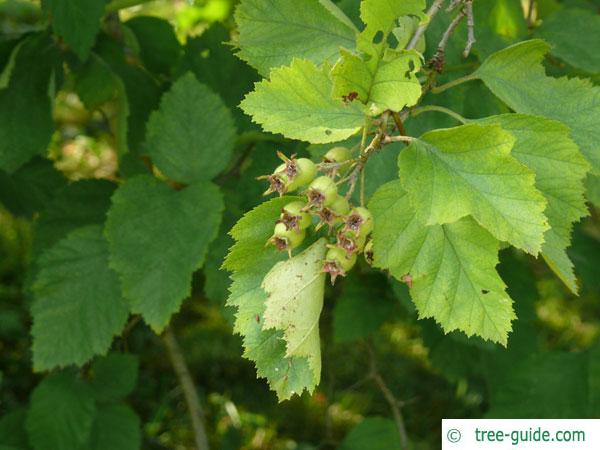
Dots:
pixel 301 172
pixel 340 206
pixel 294 217
pixel 286 239
pixel 338 155
pixel 322 192
pixel 337 263
pixel 359 221
pixel 331 215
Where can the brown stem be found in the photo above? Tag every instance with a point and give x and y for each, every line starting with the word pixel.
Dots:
pixel 398 122
pixel 389 396
pixel 437 62
pixel 189 389
pixel 470 28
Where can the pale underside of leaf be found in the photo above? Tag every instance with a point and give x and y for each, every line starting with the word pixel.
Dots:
pixel 295 290
pixel 250 261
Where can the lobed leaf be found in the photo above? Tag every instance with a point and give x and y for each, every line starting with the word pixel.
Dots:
pixel 468 170
pixel 158 237
pixel 295 290
pixel 273 33
pixel 545 147
pixel 517 77
pixel 78 307
pixel 191 137
pixel 297 103
pixel 451 266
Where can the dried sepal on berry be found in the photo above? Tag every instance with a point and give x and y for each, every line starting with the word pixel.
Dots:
pixel 278 181
pixel 337 263
pixel 332 215
pixel 359 221
pixel 300 171
pixel 286 240
pixel 321 192
pixel 294 216
pixel 351 243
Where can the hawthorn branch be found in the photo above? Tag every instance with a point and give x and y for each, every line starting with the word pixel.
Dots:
pixel 427 108
pixel 431 12
pixel 437 62
pixel 189 389
pixel 470 28
pixel 394 403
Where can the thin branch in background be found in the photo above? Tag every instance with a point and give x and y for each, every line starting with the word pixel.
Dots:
pixel 470 28
pixel 395 404
pixel 437 62
pixel 427 108
pixel 431 12
pixel 531 7
pixel 189 389
pixel 390 139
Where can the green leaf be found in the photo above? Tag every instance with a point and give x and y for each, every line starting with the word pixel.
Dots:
pixel 76 205
pixel 212 61
pixel 266 348
pixel 158 237
pixel 77 22
pixel 545 147
pixel 297 103
pixel 252 232
pixel 27 191
pixel 380 16
pixel 116 427
pixel 191 137
pixel 295 289
pixel 468 170
pixel 12 430
pixel 451 266
pixel 159 48
pixel 374 433
pixel 114 376
pixel 574 35
pixel 517 77
pixel 391 83
pixel 95 83
pixel 26 124
pixel 251 261
pixel 138 94
pixel 78 306
pixel 272 34
pixel 61 413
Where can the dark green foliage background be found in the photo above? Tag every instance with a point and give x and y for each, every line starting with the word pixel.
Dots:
pixel 118 68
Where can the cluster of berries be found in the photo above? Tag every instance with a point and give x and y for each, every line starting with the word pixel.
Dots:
pixel 323 206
